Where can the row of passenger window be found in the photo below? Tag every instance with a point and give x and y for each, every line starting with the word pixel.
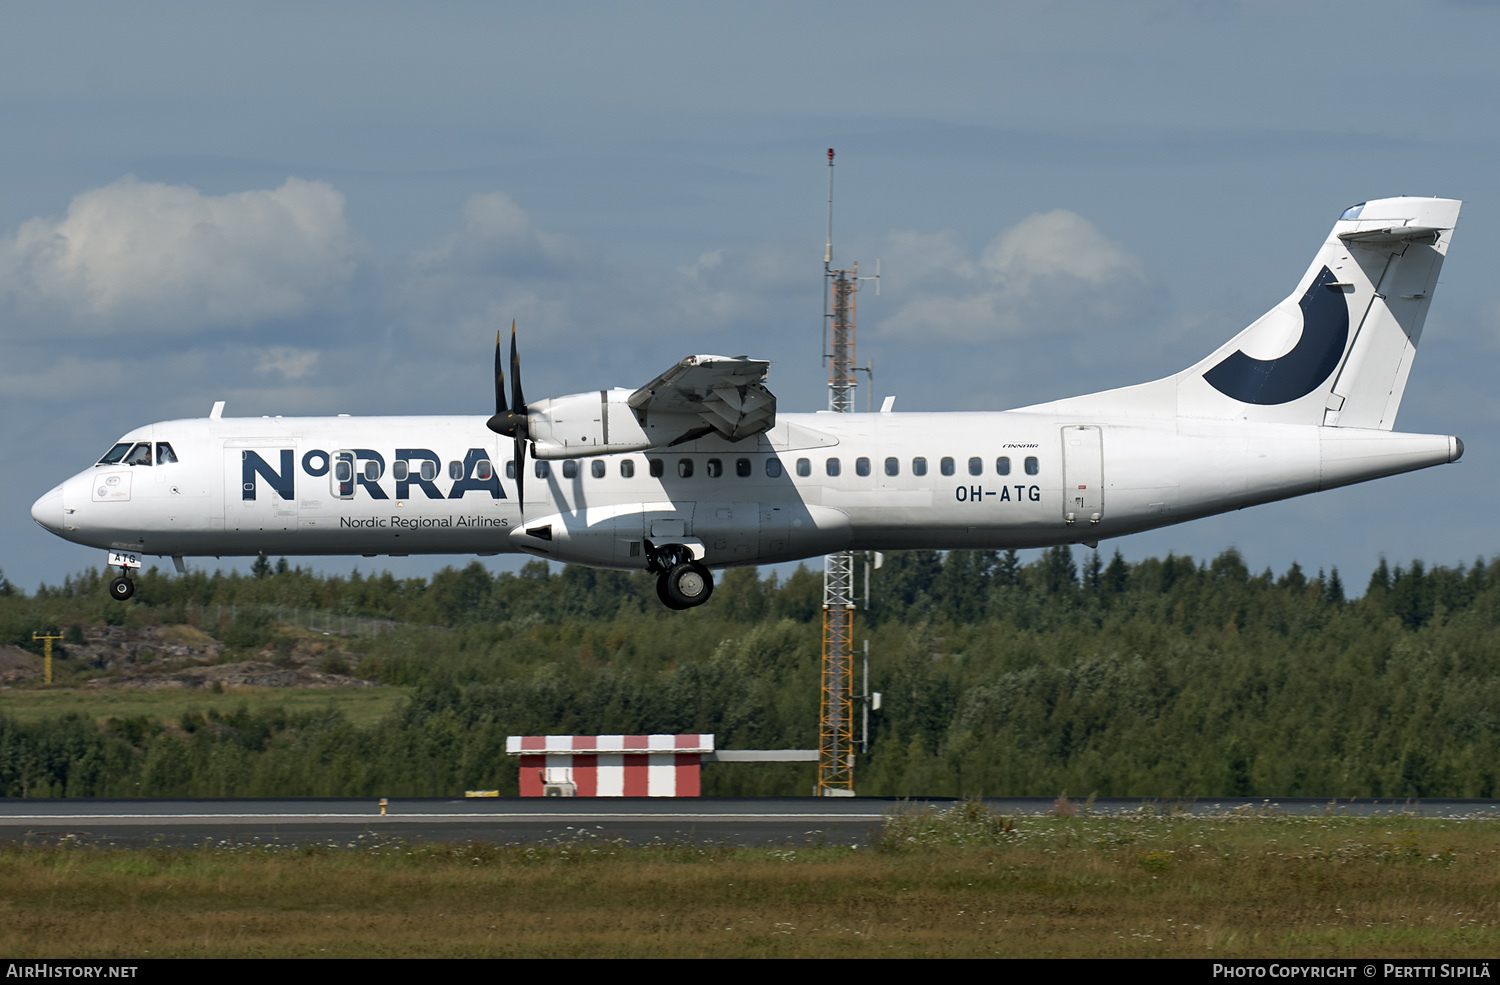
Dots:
pixel 743 467
pixel 947 466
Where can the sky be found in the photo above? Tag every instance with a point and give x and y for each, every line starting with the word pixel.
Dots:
pixel 309 209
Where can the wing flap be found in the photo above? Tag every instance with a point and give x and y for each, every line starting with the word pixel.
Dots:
pixel 725 393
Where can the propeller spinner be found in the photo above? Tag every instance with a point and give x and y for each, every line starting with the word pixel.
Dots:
pixel 510 419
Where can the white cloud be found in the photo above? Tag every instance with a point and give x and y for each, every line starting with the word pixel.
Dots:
pixel 1051 273
pixel 291 363
pixel 159 257
pixel 497 238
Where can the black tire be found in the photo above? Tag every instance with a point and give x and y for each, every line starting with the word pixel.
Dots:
pixel 121 589
pixel 663 594
pixel 686 585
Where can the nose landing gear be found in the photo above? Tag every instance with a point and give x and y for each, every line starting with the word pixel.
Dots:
pixel 121 588
pixel 682 581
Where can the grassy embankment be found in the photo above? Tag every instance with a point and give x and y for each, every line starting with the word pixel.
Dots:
pixel 969 883
pixel 363 707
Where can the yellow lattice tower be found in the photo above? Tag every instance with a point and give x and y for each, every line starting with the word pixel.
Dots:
pixel 47 659
pixel 836 711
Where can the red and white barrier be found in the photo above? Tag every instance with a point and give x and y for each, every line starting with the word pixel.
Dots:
pixel 612 765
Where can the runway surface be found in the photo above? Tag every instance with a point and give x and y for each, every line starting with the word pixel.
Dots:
pixel 708 820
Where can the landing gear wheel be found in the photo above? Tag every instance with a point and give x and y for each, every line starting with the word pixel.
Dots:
pixel 685 585
pixel 661 593
pixel 121 589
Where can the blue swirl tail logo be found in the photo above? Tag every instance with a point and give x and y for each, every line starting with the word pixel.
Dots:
pixel 1325 332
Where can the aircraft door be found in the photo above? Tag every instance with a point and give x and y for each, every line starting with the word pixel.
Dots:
pixel 259 486
pixel 1083 474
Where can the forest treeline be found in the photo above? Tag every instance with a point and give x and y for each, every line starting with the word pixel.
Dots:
pixel 1162 678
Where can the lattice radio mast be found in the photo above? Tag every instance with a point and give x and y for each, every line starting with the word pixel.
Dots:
pixel 836 728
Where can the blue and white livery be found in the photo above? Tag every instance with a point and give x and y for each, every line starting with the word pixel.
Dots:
pixel 697 471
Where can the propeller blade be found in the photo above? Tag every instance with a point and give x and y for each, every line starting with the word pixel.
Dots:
pixel 509 419
pixel 500 405
pixel 517 400
pixel 520 460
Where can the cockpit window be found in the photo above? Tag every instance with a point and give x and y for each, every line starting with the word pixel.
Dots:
pixel 115 454
pixel 164 454
pixel 140 454
pixel 1352 212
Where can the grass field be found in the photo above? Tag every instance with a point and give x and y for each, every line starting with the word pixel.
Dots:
pixel 962 883
pixel 364 706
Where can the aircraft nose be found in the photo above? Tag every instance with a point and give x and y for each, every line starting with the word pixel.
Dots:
pixel 48 511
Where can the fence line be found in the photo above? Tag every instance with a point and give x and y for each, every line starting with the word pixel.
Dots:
pixel 318 620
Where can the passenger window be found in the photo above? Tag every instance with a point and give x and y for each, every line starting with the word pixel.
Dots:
pixel 627 468
pixel 398 470
pixel 115 454
pixel 164 454
pixel 483 470
pixel 773 468
pixel 1002 465
pixel 597 467
pixel 429 469
pixel 343 474
pixel 372 471
pixel 510 469
pixel 715 468
pixel 140 454
pixel 946 466
pixel 861 466
pixel 1031 466
pixel 684 468
pixel 570 469
pixel 831 466
pixel 658 468
pixel 742 467
pixel 893 466
pixel 919 466
pixel 543 470
pixel 455 470
pixel 976 466
pixel 804 467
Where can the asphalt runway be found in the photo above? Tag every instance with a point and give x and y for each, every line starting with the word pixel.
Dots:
pixel 708 820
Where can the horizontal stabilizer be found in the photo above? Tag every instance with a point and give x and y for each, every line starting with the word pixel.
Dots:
pixel 1392 234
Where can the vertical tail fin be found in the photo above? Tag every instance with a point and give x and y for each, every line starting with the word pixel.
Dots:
pixel 1338 350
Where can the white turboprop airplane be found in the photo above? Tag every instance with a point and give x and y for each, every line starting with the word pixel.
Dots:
pixel 696 470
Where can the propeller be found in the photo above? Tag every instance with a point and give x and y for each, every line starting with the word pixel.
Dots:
pixel 510 418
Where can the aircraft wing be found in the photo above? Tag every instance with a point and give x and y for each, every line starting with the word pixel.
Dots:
pixel 726 394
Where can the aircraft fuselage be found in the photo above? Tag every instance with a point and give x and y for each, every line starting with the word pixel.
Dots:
pixel 813 484
pixel 697 470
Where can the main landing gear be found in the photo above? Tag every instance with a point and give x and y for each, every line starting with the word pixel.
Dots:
pixel 682 581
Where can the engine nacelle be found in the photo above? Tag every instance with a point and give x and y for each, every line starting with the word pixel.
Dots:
pixel 698 396
pixel 581 424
